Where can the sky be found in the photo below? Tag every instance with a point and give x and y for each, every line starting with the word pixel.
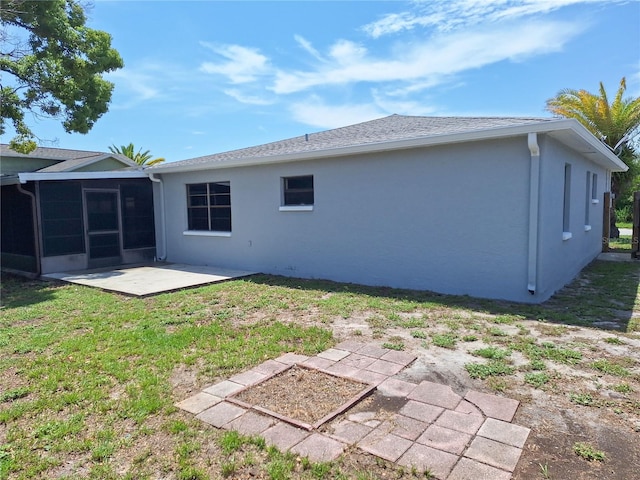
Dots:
pixel 203 77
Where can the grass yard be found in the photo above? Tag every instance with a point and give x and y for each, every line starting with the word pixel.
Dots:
pixel 88 379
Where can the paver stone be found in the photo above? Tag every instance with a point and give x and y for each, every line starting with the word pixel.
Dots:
pixel 250 423
pixel 421 411
pixel 494 453
pixel 493 406
pixel 319 448
pixel 384 445
pixel 220 414
pixel 198 402
pixel 349 432
pixel 445 439
pixel 284 436
pixel 223 389
pixel 463 422
pixel 393 387
pixel 504 432
pixel 424 458
pixel 435 394
pixel 468 469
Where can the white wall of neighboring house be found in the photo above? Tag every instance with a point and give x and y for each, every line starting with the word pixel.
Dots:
pixel 451 219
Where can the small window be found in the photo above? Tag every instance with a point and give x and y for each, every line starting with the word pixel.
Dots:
pixel 594 188
pixel 587 205
pixel 297 190
pixel 209 206
pixel 566 207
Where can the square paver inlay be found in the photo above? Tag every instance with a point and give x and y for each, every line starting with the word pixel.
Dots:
pixel 316 396
pixel 426 426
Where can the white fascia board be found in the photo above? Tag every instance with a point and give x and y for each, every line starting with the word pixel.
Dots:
pixel 610 161
pixel 36 176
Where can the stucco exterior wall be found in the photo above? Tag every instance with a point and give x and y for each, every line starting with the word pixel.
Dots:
pixel 561 260
pixel 450 219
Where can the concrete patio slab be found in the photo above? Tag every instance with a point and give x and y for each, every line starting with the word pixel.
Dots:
pixel 149 279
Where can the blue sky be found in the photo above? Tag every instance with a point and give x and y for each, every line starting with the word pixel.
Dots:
pixel 202 77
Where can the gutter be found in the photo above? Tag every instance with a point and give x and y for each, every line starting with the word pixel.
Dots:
pixel 162 219
pixel 36 232
pixel 534 198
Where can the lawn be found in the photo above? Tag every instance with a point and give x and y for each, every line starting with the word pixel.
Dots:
pixel 89 378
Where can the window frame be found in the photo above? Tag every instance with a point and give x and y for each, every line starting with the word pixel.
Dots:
pixel 218 204
pixel 287 204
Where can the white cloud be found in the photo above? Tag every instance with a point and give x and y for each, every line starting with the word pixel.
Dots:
pixel 308 47
pixel 248 99
pixel 314 112
pixel 428 62
pixel 242 64
pixel 455 14
pixel 135 86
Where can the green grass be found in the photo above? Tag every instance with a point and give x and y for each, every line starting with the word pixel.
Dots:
pixel 92 375
pixel 444 340
pixel 588 452
pixel 491 369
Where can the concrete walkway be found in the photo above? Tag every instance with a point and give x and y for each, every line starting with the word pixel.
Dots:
pixel 433 428
pixel 149 279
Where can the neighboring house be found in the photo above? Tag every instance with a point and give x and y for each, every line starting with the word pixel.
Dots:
pixel 506 208
pixel 71 210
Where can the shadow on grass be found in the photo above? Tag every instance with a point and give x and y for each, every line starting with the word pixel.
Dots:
pixel 603 296
pixel 17 291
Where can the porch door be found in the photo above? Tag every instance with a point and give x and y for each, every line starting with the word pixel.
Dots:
pixel 103 227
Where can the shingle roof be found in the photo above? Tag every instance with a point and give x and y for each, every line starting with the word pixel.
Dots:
pixel 66 159
pixel 394 127
pixel 49 153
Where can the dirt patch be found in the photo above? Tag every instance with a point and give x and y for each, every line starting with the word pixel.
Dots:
pixel 303 394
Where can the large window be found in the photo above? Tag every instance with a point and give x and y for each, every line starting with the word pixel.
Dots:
pixel 297 190
pixel 209 206
pixel 62 222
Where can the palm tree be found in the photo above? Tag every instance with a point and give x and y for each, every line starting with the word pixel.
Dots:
pixel 140 157
pixel 617 124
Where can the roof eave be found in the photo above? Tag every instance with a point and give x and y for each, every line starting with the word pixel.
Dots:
pixel 602 154
pixel 39 176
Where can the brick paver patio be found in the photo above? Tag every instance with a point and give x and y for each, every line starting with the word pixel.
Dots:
pixel 454 437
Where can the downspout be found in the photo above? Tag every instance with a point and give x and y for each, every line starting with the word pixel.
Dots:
pixel 36 233
pixel 162 219
pixel 534 198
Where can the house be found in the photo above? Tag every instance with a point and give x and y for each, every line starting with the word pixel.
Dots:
pixel 505 208
pixel 71 210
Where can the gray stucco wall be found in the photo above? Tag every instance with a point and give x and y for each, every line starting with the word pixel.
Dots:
pixel 449 219
pixel 561 260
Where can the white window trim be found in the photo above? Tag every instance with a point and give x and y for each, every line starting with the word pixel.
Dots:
pixel 296 208
pixel 587 228
pixel 566 236
pixel 205 233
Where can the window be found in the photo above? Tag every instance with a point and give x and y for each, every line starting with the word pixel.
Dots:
pixel 566 207
pixel 594 189
pixel 587 203
pixel 297 190
pixel 209 206
pixel 62 218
